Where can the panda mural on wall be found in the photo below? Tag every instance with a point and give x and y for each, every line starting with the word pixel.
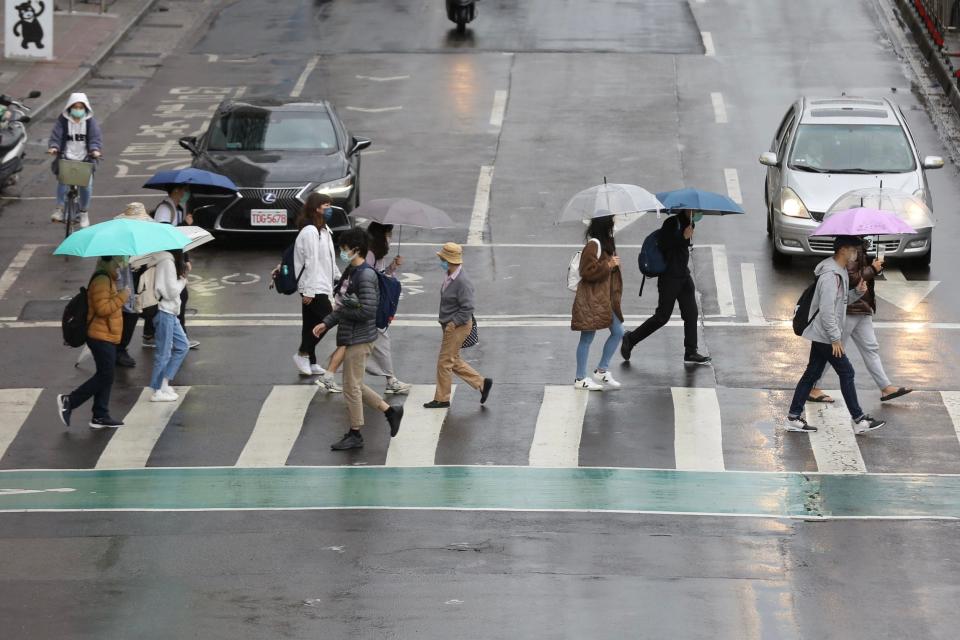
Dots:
pixel 28 27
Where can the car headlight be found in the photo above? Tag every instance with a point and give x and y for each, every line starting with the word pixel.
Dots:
pixel 920 194
pixel 335 188
pixel 791 204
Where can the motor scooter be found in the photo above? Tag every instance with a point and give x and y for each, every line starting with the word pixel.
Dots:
pixel 461 12
pixel 13 136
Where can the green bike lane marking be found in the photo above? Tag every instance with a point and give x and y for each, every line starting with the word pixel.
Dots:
pixel 727 493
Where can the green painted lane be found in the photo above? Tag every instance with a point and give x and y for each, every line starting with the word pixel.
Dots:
pixel 499 488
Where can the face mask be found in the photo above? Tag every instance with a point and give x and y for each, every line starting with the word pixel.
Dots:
pixel 78 113
pixel 345 256
pixel 327 213
pixel 697 217
pixel 185 198
pixel 445 265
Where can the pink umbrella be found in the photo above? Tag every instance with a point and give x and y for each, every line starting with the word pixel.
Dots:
pixel 863 222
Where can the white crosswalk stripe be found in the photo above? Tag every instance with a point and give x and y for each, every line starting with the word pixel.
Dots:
pixel 416 443
pixel 131 445
pixel 834 444
pixel 556 439
pixel 278 425
pixel 698 440
pixel 15 406
pixel 951 401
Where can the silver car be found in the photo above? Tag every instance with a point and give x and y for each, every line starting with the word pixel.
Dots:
pixel 826 147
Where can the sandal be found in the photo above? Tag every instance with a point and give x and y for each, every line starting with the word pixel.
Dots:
pixel 902 391
pixel 824 398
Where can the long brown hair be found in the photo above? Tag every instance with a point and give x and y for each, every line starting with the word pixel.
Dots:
pixel 601 228
pixel 179 263
pixel 312 211
pixel 378 239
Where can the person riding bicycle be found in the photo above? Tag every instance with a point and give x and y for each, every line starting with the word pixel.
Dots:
pixel 75 136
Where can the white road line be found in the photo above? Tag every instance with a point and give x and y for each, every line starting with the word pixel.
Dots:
pixel 556 437
pixel 708 49
pixel 698 437
pixel 416 444
pixel 304 76
pixel 951 401
pixel 212 57
pixel 719 108
pixel 751 292
pixel 732 178
pixel 130 196
pixel 15 406
pixel 499 108
pixel 131 445
pixel 382 78
pixel 721 275
pixel 374 110
pixel 481 206
pixel 834 445
pixel 16 265
pixel 278 426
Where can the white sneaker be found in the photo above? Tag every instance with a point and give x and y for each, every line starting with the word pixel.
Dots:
pixel 328 384
pixel 587 384
pixel 397 388
pixel 606 378
pixel 84 220
pixel 160 396
pixel 169 391
pixel 866 423
pixel 317 370
pixel 193 343
pixel 302 363
pixel 57 215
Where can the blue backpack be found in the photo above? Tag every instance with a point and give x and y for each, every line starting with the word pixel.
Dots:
pixel 651 261
pixel 285 281
pixel 389 299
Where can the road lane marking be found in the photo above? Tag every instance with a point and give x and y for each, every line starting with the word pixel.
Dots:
pixel 416 443
pixel 131 445
pixel 708 49
pixel 15 406
pixel 132 196
pixel 719 108
pixel 16 265
pixel 721 275
pixel 382 78
pixel 304 76
pixel 278 426
pixel 732 178
pixel 373 110
pixel 499 108
pixel 906 294
pixel 20 492
pixel 698 437
pixel 556 437
pixel 951 400
pixel 751 293
pixel 481 206
pixel 834 444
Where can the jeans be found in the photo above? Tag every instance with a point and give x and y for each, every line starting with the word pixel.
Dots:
pixel 99 385
pixel 860 328
pixel 609 348
pixel 312 314
pixel 172 347
pixel 85 194
pixel 672 291
pixel 820 354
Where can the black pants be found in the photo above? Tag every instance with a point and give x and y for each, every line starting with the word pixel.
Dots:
pixel 129 326
pixel 148 330
pixel 99 385
pixel 313 314
pixel 671 291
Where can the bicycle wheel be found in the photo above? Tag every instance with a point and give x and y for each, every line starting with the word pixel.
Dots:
pixel 71 209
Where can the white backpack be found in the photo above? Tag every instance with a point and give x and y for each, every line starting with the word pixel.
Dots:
pixel 146 290
pixel 573 270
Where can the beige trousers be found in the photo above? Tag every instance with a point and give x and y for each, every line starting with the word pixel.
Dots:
pixel 450 362
pixel 355 392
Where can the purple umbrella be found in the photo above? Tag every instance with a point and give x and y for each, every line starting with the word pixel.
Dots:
pixel 862 222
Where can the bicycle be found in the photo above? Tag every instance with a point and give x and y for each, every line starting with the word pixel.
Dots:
pixel 75 174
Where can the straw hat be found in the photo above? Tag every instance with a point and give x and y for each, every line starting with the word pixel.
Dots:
pixel 452 253
pixel 134 211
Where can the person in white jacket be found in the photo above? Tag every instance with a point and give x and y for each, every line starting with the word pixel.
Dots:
pixel 171 342
pixel 315 264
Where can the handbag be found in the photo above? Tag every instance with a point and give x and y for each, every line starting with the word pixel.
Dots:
pixel 474 338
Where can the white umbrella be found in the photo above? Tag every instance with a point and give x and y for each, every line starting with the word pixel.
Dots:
pixel 626 202
pixel 909 208
pixel 198 236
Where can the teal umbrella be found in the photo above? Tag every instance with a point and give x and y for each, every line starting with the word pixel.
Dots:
pixel 122 238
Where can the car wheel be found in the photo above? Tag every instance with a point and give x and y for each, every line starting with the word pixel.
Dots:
pixel 769 224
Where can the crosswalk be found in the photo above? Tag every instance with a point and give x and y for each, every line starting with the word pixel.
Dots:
pixel 557 426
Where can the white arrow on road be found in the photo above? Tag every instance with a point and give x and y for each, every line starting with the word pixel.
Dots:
pixel 906 294
pixel 383 79
pixel 20 492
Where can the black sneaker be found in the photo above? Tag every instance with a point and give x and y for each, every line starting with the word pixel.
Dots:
pixel 149 342
pixel 394 416
pixel 64 409
pixel 625 348
pixel 124 359
pixel 866 423
pixel 696 358
pixel 798 424
pixel 485 391
pixel 436 404
pixel 105 423
pixel 352 439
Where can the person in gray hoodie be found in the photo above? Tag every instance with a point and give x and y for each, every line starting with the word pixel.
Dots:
pixel 828 312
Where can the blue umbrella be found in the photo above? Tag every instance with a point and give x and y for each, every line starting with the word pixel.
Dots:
pixel 199 180
pixel 707 202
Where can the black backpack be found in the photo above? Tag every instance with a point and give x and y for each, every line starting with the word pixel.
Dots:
pixel 651 260
pixel 801 313
pixel 74 322
pixel 284 281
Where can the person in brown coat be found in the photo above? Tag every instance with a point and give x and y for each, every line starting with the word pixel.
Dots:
pixel 597 303
pixel 859 326
pixel 104 330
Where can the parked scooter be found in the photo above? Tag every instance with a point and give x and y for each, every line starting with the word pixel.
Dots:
pixel 461 12
pixel 13 137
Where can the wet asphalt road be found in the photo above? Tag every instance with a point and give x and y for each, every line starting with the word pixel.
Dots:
pixel 595 88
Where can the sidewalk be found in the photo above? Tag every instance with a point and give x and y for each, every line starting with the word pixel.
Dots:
pixel 81 41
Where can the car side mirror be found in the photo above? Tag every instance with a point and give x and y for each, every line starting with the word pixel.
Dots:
pixel 359 144
pixel 190 144
pixel 33 94
pixel 338 219
pixel 933 162
pixel 769 159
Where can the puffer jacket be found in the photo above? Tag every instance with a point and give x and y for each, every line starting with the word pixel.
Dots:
pixel 599 293
pixel 862 269
pixel 105 309
pixel 356 317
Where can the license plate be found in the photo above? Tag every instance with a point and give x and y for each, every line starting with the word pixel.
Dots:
pixel 268 217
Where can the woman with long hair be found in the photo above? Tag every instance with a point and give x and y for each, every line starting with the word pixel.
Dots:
pixel 171 341
pixel 380 362
pixel 597 303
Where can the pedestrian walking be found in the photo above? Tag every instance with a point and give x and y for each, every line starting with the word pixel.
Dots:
pixel 128 280
pixel 858 326
pixel 827 318
pixel 597 303
pixel 355 316
pixel 380 363
pixel 456 319
pixel 675 285
pixel 104 327
pixel 171 341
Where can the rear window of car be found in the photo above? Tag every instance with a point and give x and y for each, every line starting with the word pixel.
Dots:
pixel 852 148
pixel 253 129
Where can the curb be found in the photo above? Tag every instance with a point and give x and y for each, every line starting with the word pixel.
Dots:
pixel 89 67
pixel 932 52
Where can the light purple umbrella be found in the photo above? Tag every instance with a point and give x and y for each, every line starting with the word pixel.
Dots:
pixel 863 222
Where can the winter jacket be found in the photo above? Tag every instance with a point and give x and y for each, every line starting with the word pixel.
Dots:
pixel 830 301
pixel 862 269
pixel 69 137
pixel 675 248
pixel 457 301
pixel 313 254
pixel 599 293
pixel 167 285
pixel 356 316
pixel 105 309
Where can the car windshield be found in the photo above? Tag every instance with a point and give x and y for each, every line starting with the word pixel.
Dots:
pixel 852 148
pixel 265 130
